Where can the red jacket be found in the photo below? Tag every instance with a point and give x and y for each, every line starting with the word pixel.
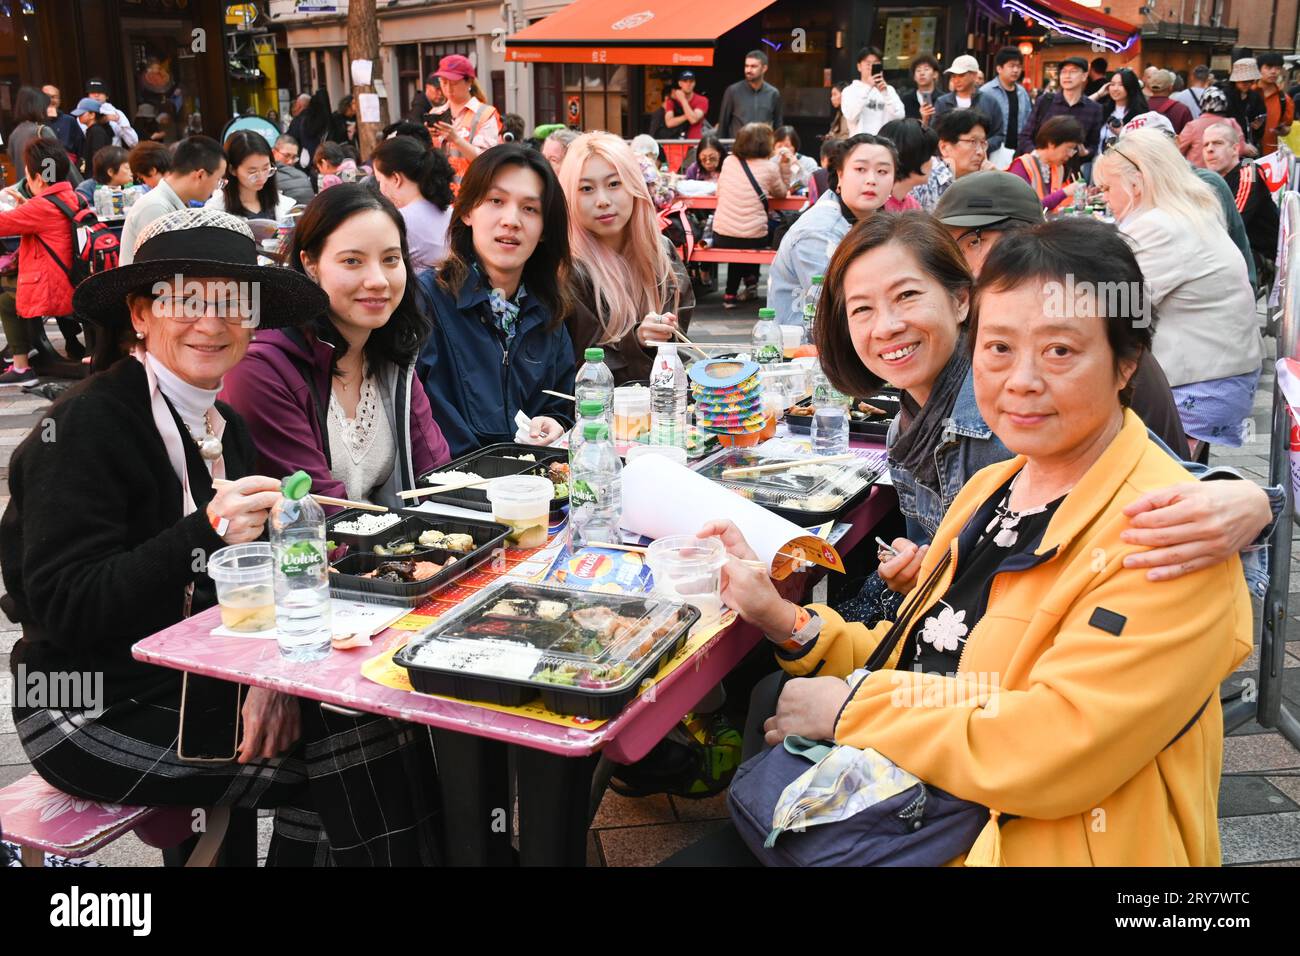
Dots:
pixel 43 286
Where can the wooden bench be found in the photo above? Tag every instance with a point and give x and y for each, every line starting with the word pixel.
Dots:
pixel 757 257
pixel 41 818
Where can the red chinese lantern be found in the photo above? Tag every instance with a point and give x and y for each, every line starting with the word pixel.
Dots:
pixel 1026 48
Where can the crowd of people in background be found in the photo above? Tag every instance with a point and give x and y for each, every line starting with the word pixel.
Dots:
pixel 444 285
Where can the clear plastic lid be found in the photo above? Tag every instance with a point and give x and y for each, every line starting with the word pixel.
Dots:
pixel 551 636
pixel 241 563
pixel 808 487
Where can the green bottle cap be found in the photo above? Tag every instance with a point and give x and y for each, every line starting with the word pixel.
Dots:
pixel 767 313
pixel 594 431
pixel 297 486
pixel 818 279
pixel 594 355
pixel 590 408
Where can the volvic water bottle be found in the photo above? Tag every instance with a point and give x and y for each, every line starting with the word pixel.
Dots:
pixel 765 340
pixel 595 489
pixel 668 398
pixel 830 424
pixel 810 300
pixel 588 411
pixel 301 572
pixel 595 383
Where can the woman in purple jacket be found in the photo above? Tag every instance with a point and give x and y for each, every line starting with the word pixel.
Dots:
pixel 339 399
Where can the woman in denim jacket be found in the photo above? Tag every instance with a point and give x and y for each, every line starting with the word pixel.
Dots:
pixel 940 439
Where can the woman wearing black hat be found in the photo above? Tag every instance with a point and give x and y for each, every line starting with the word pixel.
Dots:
pixel 112 518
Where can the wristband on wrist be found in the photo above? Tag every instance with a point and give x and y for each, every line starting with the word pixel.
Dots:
pixel 807 626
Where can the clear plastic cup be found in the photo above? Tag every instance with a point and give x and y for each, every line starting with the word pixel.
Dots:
pixel 791 339
pixel 242 573
pixel 523 503
pixel 689 569
pixel 631 412
pixel 672 452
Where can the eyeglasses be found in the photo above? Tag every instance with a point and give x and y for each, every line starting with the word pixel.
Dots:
pixel 970 239
pixel 264 173
pixel 974 143
pixel 188 310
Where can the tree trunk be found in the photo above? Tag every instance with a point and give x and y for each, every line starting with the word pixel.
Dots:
pixel 363 44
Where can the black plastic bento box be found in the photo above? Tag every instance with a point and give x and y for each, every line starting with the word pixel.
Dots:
pixel 870 426
pixel 496 461
pixel 346 579
pixel 518 640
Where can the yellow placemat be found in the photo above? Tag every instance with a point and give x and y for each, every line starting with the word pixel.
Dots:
pixel 382 670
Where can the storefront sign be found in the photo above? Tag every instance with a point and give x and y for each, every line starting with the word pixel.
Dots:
pixel 906 38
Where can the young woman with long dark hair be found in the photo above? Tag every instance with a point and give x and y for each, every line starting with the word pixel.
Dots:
pixel 340 399
pixel 499 303
pixel 250 191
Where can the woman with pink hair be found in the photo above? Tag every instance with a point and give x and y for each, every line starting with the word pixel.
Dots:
pixel 630 288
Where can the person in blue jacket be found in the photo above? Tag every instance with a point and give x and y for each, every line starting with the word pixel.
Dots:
pixel 499 304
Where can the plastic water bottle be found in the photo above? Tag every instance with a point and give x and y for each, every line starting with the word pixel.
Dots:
pixel 811 298
pixel 301 572
pixel 765 340
pixel 668 398
pixel 103 204
pixel 706 237
pixel 830 424
pixel 595 489
pixel 588 411
pixel 595 383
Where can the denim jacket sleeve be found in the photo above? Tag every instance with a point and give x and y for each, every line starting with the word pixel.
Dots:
pixel 1254 559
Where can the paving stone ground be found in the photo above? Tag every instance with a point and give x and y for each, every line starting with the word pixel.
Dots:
pixel 1259 800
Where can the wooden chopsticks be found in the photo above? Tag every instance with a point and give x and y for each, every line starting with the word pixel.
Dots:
pixel 320 499
pixel 439 489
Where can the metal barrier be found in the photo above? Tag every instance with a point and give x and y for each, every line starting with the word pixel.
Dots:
pixel 1266 705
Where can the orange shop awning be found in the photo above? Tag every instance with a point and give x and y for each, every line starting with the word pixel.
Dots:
pixel 637 32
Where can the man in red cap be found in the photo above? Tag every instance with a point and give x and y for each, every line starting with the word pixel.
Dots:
pixel 473 125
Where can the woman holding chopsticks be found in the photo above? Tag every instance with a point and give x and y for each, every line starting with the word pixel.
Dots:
pixel 339 398
pixel 106 539
pixel 631 290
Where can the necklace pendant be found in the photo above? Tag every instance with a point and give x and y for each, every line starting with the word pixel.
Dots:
pixel 210 448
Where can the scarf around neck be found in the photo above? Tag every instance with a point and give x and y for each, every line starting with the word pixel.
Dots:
pixel 921 428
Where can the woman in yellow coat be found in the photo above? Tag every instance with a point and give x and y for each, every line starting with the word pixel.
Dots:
pixel 1029 670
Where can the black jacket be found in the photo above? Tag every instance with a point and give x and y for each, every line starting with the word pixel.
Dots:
pixel 94 551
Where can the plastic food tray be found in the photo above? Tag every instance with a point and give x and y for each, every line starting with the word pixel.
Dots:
pixel 506 654
pixel 874 427
pixel 496 461
pixel 346 580
pixel 783 493
pixel 357 542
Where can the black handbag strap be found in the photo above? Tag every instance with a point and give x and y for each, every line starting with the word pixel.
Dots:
pixel 762 196
pixel 906 616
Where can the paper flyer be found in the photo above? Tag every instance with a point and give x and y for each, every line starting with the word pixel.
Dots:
pixel 696 501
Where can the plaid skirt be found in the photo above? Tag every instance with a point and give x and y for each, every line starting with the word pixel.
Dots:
pixel 353 791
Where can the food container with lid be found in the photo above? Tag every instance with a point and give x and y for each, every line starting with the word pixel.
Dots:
pixel 523 504
pixel 586 653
